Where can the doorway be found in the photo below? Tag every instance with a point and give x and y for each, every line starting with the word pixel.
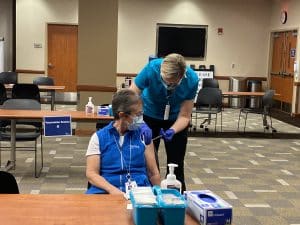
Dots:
pixel 62 55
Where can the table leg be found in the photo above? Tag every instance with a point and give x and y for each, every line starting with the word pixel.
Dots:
pixel 52 100
pixel 11 164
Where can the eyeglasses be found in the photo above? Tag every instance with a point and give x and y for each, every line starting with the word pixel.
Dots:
pixel 172 84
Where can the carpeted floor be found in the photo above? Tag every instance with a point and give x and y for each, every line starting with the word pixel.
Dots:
pixel 256 172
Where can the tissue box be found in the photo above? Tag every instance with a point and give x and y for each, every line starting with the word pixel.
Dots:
pixel 103 111
pixel 171 207
pixel 144 204
pixel 208 208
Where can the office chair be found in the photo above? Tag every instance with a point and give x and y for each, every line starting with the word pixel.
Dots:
pixel 3 95
pixel 45 97
pixel 26 91
pixel 25 130
pixel 209 82
pixel 9 78
pixel 264 111
pixel 209 101
pixel 8 183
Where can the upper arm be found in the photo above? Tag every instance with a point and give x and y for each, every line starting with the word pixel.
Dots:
pixel 92 164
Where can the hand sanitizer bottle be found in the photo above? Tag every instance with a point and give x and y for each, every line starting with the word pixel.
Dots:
pixel 89 107
pixel 171 181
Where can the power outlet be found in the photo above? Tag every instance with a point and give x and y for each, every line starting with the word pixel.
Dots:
pixel 232 65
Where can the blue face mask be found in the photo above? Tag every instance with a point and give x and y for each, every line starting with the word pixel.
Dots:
pixel 137 121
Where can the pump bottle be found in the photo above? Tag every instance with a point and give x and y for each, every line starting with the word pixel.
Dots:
pixel 89 107
pixel 170 182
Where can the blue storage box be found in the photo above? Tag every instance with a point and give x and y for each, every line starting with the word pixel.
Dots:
pixel 171 206
pixel 145 208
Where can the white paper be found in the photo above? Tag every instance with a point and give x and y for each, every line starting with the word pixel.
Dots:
pixel 1 56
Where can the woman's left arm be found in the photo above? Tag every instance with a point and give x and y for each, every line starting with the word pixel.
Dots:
pixel 183 119
pixel 153 172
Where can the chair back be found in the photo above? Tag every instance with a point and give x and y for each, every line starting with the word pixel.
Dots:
pixel 3 95
pixel 8 183
pixel 267 99
pixel 43 81
pixel 26 91
pixel 211 97
pixel 209 82
pixel 9 78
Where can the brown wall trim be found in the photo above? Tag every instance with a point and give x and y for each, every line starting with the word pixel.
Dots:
pixel 30 71
pixel 216 77
pixel 96 88
pixel 126 74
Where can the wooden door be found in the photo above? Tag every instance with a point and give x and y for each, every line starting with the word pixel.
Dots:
pixel 282 71
pixel 62 55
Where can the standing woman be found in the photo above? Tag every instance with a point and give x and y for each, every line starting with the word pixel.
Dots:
pixel 118 157
pixel 168 88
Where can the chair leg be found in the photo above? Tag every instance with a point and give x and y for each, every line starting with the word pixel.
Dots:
pixel 216 120
pixel 37 174
pixel 221 121
pixel 245 122
pixel 239 121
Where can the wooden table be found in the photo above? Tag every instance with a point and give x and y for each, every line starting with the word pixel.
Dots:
pixel 14 115
pixel 44 88
pixel 67 209
pixel 244 93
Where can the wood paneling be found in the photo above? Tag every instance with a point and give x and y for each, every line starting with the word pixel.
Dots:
pixel 279 84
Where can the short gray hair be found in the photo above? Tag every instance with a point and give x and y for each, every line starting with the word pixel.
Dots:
pixel 123 100
pixel 173 66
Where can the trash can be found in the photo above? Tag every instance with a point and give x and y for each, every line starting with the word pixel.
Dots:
pixel 254 86
pixel 237 84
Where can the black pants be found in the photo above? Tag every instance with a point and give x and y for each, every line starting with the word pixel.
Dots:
pixel 175 149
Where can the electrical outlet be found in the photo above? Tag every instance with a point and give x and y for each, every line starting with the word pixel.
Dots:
pixel 232 65
pixel 37 45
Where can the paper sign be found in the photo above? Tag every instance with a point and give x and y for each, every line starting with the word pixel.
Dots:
pixel 57 126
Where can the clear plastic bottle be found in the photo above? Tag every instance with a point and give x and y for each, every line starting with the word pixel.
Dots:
pixel 170 182
pixel 90 107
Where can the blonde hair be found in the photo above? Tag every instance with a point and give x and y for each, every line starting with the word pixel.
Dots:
pixel 173 66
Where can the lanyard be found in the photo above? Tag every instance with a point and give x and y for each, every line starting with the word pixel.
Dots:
pixel 122 158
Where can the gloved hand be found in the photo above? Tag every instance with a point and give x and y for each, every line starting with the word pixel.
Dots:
pixel 146 133
pixel 167 135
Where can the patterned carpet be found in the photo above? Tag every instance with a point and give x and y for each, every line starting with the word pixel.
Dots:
pixel 257 173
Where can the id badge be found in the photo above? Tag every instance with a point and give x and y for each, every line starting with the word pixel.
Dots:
pixel 167 112
pixel 129 185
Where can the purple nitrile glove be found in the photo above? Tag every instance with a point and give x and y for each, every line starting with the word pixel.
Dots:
pixel 146 133
pixel 167 135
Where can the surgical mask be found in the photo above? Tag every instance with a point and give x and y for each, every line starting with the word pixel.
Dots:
pixel 137 121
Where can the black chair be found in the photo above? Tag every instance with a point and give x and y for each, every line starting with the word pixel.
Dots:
pixel 209 101
pixel 25 130
pixel 45 97
pixel 209 82
pixel 9 78
pixel 26 91
pixel 8 183
pixel 264 111
pixel 3 96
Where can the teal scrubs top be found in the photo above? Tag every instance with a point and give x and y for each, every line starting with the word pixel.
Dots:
pixel 155 96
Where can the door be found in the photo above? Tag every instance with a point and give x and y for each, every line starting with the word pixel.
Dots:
pixel 62 55
pixel 282 70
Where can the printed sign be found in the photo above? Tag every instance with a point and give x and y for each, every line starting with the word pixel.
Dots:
pixel 202 75
pixel 57 126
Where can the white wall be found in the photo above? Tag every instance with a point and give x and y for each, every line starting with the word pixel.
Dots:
pixel 245 41
pixel 32 17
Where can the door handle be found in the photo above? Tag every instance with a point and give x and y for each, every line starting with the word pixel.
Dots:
pixel 50 65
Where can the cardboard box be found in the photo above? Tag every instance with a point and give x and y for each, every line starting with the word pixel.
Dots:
pixel 208 208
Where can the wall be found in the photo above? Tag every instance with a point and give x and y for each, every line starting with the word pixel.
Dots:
pixel 6 30
pixel 32 17
pixel 293 22
pixel 245 41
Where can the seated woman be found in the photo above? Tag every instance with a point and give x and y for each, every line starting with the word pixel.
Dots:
pixel 117 155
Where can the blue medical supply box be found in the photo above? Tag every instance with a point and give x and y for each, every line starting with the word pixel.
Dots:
pixel 171 206
pixel 143 214
pixel 208 208
pixel 103 110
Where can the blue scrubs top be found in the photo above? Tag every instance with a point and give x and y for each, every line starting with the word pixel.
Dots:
pixel 155 96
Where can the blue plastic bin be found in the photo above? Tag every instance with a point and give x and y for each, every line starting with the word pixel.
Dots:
pixel 144 214
pixel 170 214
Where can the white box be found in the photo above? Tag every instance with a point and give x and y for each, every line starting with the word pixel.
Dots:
pixel 208 208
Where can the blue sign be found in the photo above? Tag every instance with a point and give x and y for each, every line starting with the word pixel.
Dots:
pixel 57 126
